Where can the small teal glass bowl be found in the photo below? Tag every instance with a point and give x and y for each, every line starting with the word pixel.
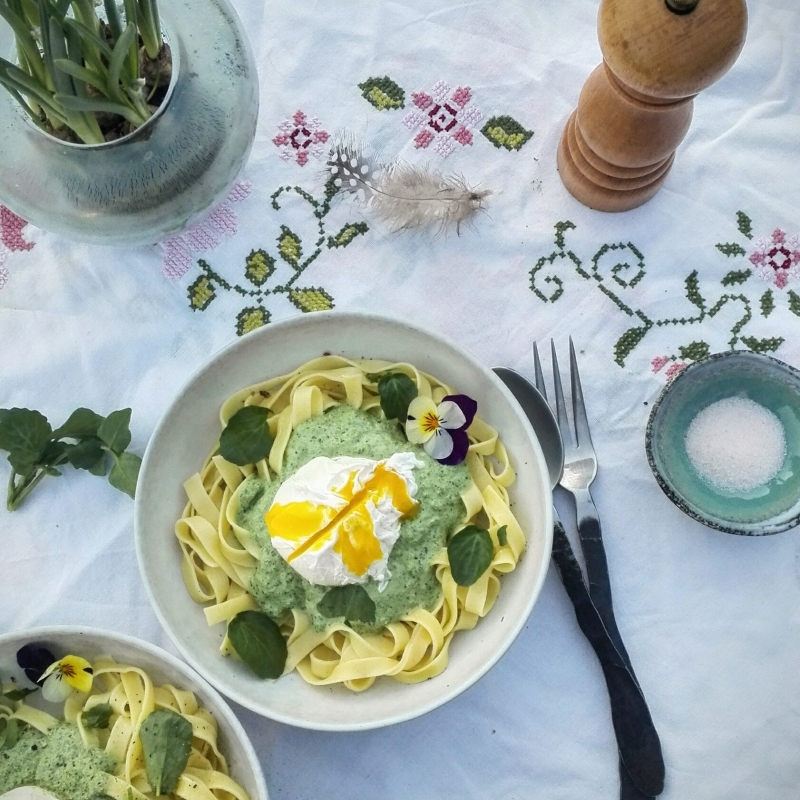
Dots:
pixel 767 509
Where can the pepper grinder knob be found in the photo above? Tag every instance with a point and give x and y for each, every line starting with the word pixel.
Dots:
pixel 636 107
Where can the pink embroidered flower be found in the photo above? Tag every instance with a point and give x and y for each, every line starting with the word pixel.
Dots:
pixel 300 137
pixel 11 231
pixel 777 258
pixel 674 369
pixel 179 249
pixel 659 362
pixel 446 120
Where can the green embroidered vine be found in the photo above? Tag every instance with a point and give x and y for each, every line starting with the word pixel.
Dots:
pixel 260 266
pixel 620 266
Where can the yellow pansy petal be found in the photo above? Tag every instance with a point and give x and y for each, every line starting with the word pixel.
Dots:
pixel 422 421
pixel 77 672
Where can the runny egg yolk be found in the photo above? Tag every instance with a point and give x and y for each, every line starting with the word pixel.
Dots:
pixel 350 527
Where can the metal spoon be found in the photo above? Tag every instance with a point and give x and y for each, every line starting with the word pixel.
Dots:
pixel 637 739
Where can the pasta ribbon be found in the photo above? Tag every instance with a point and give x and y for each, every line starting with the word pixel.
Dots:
pixel 219 556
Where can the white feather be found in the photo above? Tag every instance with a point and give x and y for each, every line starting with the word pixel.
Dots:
pixel 405 196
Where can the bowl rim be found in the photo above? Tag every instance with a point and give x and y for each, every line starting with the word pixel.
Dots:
pixel 450 691
pixel 760 529
pixel 185 670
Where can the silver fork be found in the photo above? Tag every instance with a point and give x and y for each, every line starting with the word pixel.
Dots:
pixel 580 469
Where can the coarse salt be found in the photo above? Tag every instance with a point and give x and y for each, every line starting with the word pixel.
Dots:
pixel 736 444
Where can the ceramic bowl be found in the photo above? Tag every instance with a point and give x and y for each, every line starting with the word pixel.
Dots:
pixel 770 508
pixel 189 430
pixel 90 643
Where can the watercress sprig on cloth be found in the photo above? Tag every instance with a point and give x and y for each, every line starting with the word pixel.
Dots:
pixel 84 441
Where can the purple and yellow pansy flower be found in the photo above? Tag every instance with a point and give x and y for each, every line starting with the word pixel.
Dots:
pixel 62 678
pixel 441 429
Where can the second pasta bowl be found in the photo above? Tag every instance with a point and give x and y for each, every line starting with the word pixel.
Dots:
pixel 358 505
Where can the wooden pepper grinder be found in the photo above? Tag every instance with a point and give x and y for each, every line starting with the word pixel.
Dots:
pixel 636 107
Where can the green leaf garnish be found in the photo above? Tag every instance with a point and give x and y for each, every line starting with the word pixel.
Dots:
pixel 81 422
pixel 246 438
pixel 18 694
pixel 24 433
pixel 167 743
pixel 502 535
pixel 258 641
pixel 86 453
pixel 396 391
pixel 125 472
pixel 35 450
pixel 351 602
pixel 9 733
pixel 98 716
pixel 470 553
pixel 114 430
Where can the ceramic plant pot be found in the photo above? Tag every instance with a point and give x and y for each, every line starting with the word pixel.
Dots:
pixel 165 174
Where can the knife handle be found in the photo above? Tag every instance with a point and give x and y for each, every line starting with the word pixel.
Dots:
pixel 637 740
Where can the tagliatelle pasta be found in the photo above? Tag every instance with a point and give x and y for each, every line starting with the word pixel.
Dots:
pixel 133 696
pixel 220 556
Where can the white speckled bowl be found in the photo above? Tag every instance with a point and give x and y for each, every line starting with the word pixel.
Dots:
pixel 190 428
pixel 161 666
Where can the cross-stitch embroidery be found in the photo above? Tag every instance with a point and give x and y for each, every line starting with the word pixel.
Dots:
pixel 300 137
pixel 11 239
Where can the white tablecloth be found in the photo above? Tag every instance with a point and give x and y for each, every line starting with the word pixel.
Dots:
pixel 711 621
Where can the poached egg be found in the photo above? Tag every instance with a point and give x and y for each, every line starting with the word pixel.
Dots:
pixel 336 520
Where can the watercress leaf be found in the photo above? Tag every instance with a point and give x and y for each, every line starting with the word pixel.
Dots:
pixel 502 535
pixel 470 553
pixel 81 422
pixel 18 694
pixel 167 741
pixel 396 391
pixel 52 452
pixel 9 735
pixel 246 438
pixel 24 432
pixel 258 641
pixel 101 467
pixel 22 464
pixel 86 453
pixel 52 472
pixel 351 602
pixel 125 472
pixel 98 716
pixel 115 431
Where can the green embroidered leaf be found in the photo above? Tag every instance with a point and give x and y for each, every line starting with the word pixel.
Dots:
pixel 86 453
pixel 762 345
pixel 347 234
pixel 290 247
pixel 561 229
pixel 125 472
pixel 246 438
pixel 694 351
pixel 167 742
pixel 314 299
pixel 506 132
pixel 470 553
pixel 502 535
pixel 351 602
pixel 383 93
pixel 794 304
pixel 81 422
pixel 201 293
pixel 248 319
pixel 24 433
pixel 744 224
pixel 18 694
pixel 736 276
pixel 98 716
pixel 258 641
pixel 396 391
pixel 115 430
pixel 767 303
pixel 627 342
pixel 693 291
pixel 259 265
pixel 731 249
